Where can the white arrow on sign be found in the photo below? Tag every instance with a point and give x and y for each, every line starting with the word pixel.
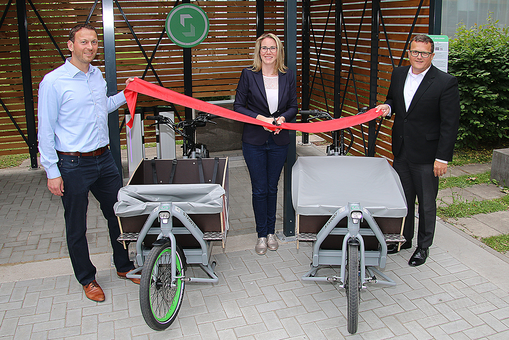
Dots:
pixel 183 18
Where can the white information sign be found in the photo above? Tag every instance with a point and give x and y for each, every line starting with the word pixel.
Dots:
pixel 441 58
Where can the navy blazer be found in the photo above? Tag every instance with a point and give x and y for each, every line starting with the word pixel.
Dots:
pixel 430 126
pixel 251 100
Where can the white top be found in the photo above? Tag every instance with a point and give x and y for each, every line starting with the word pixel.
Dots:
pixel 272 92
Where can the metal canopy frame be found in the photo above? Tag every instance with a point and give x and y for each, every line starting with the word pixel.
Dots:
pixel 316 83
pixel 291 52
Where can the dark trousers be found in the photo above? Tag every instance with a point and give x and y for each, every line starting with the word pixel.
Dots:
pixel 99 175
pixel 264 163
pixel 418 181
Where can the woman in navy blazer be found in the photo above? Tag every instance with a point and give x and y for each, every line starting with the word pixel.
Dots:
pixel 266 91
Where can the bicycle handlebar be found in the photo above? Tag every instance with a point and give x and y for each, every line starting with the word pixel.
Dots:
pixel 201 119
pixel 158 118
pixel 317 114
pixel 310 112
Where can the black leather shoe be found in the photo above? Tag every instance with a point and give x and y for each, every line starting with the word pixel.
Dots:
pixel 419 257
pixel 393 248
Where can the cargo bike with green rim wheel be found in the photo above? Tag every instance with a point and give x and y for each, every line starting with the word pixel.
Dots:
pixel 171 213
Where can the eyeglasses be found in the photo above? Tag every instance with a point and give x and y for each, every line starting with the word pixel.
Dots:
pixel 415 54
pixel 266 48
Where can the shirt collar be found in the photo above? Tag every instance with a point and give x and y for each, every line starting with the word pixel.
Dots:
pixel 422 74
pixel 73 70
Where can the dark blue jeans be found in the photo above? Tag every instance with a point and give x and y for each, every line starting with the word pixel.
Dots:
pixel 99 175
pixel 265 163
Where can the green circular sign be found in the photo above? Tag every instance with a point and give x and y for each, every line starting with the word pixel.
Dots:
pixel 187 25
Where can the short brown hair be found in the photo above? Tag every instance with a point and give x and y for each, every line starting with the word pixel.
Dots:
pixel 76 28
pixel 422 38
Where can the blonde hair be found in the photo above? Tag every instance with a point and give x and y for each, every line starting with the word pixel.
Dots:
pixel 280 60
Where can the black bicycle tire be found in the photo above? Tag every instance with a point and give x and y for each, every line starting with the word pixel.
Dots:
pixel 157 291
pixel 352 287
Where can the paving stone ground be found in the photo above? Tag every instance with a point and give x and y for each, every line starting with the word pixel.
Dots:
pixel 460 293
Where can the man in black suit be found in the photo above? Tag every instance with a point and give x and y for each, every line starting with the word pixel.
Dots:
pixel 426 105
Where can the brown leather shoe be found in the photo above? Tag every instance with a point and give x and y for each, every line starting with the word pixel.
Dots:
pixel 123 276
pixel 94 292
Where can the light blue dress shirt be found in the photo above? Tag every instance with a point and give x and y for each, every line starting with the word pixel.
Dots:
pixel 73 113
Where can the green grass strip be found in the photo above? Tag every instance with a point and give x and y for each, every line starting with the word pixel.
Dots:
pixel 9 161
pixel 499 242
pixel 469 156
pixel 464 180
pixel 468 209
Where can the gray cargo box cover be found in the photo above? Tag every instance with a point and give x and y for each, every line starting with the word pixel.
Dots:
pixel 321 185
pixel 134 200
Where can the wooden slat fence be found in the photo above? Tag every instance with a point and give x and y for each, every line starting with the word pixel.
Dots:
pixel 396 20
pixel 217 62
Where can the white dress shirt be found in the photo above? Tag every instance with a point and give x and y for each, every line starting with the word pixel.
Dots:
pixel 412 83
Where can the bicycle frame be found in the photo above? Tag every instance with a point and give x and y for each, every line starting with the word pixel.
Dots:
pixel 167 230
pixel 373 259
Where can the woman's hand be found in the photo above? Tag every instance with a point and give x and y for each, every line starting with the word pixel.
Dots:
pixel 279 120
pixel 269 120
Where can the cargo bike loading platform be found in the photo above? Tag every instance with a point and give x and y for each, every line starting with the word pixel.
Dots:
pixel 170 212
pixel 350 208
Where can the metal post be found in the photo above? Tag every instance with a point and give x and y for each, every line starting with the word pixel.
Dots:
pixel 435 17
pixel 291 62
pixel 337 71
pixel 27 81
pixel 188 80
pixel 373 76
pixel 110 68
pixel 260 17
pixel 305 64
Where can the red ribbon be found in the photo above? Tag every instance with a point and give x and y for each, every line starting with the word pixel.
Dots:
pixel 144 87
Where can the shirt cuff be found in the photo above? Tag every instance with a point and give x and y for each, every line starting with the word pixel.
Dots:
pixel 52 171
pixel 441 161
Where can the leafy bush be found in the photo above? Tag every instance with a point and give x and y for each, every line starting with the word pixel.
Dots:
pixel 479 58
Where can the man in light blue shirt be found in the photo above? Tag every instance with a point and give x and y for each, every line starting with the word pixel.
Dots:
pixel 73 137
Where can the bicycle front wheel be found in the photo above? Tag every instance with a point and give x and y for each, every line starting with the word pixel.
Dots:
pixel 352 287
pixel 160 300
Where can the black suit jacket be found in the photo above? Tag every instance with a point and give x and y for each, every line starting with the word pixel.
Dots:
pixel 430 126
pixel 251 100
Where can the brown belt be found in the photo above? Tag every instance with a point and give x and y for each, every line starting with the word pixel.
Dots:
pixel 97 152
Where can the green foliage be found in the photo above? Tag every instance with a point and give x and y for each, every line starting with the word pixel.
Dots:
pixel 479 58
